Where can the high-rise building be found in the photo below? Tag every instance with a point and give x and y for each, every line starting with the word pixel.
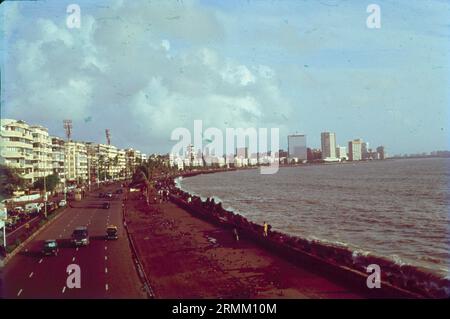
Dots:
pixel 365 150
pixel 297 147
pixel 76 162
pixel 328 143
pixel 122 163
pixel 17 147
pixel 42 152
pixel 105 158
pixel 381 152
pixel 341 152
pixel 58 157
pixel 355 150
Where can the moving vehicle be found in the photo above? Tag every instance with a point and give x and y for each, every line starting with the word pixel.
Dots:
pixel 62 203
pixel 106 205
pixel 80 236
pixel 50 248
pixel 111 232
pixel 109 195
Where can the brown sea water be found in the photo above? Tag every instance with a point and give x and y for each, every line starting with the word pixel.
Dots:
pixel 397 209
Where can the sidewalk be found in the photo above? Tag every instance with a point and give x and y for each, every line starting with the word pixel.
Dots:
pixel 185 257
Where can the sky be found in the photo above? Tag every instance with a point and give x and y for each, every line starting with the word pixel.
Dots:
pixel 144 68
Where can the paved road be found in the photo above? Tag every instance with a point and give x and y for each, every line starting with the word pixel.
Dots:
pixel 107 268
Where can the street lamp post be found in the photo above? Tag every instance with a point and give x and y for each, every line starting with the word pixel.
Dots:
pixel 45 191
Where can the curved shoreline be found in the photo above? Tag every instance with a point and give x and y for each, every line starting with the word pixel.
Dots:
pixel 397 280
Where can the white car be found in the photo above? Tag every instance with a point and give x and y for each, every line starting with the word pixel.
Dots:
pixel 32 207
pixel 19 209
pixel 62 203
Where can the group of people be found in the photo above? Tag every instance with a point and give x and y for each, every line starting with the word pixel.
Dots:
pixel 163 188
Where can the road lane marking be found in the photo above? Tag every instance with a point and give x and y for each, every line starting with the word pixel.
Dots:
pixel 106 287
pixel 106 257
pixel 106 270
pixel 64 289
pixel 40 261
pixel 73 259
pixel 76 249
pixel 106 247
pixel 19 293
pixel 31 275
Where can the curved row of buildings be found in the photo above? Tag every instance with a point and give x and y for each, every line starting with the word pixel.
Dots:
pixel 34 153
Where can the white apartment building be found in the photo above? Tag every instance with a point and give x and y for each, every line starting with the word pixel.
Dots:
pixel 341 152
pixel 76 162
pixel 328 143
pixel 42 152
pixel 121 163
pixel 58 157
pixel 355 150
pixel 16 141
pixel 106 160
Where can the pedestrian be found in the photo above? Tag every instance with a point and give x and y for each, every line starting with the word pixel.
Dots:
pixel 235 233
pixel 266 229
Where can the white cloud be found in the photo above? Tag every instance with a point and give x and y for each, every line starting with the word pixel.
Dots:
pixel 165 44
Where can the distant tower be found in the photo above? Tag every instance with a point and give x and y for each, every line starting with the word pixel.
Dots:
pixel 68 128
pixel 108 136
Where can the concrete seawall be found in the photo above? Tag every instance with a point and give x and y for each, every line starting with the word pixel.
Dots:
pixel 398 281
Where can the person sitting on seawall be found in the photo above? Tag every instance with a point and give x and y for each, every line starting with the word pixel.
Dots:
pixel 265 229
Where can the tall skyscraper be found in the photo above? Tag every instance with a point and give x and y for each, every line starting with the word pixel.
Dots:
pixel 328 142
pixel 381 152
pixel 297 147
pixel 341 152
pixel 355 150
pixel 365 150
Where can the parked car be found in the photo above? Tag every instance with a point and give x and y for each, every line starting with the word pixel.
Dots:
pixel 31 208
pixel 108 195
pixel 62 203
pixel 18 210
pixel 101 195
pixel 80 236
pixel 51 206
pixel 15 219
pixel 111 233
pixel 106 205
pixel 50 248
pixel 11 223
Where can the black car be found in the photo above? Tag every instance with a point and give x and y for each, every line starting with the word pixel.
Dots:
pixel 101 195
pixel 119 191
pixel 106 205
pixel 111 233
pixel 50 248
pixel 80 236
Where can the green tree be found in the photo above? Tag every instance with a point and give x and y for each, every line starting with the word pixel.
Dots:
pixel 51 182
pixel 10 181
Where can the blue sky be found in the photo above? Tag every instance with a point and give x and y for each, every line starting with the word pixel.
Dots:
pixel 144 68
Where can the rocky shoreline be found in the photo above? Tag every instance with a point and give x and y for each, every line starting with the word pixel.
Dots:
pixel 398 281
